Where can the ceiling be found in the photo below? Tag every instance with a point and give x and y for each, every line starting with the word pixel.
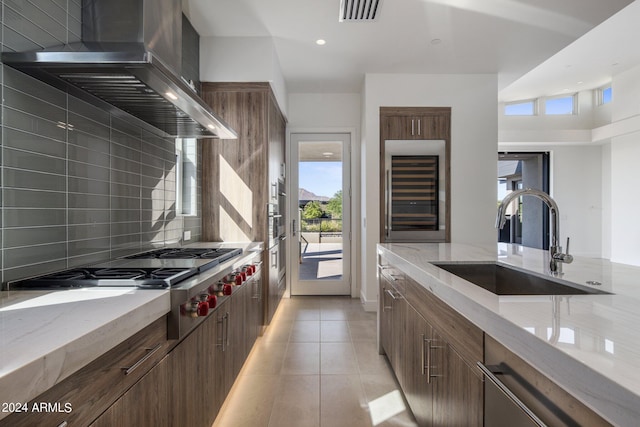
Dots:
pixel 507 37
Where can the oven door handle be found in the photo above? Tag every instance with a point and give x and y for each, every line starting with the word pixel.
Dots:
pixel 509 394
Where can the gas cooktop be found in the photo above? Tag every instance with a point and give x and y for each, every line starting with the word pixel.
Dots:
pixel 146 278
pixel 210 256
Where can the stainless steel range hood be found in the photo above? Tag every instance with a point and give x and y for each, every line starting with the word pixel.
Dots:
pixel 130 59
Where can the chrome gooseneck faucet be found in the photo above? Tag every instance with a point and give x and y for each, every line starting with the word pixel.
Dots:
pixel 556 257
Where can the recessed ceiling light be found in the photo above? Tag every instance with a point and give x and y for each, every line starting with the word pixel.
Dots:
pixel 321 42
pixel 210 126
pixel 171 95
pixel 580 82
pixel 327 154
pixel 436 41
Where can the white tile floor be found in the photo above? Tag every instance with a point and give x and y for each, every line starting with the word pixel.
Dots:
pixel 316 365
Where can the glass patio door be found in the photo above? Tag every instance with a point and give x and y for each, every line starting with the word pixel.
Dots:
pixel 320 212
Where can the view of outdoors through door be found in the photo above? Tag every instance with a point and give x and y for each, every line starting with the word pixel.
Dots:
pixel 322 214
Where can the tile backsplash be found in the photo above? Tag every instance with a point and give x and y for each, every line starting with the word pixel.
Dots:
pixel 77 185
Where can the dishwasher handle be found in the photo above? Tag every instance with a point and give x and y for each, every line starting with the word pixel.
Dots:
pixel 509 394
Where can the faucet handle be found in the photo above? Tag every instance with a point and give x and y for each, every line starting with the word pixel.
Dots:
pixel 566 257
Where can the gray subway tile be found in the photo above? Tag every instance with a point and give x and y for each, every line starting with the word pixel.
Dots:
pixel 84 170
pixel 33 269
pixel 17 257
pixel 32 161
pixel 18 178
pixel 128 128
pixel 88 216
pixel 83 247
pixel 125 202
pixel 124 215
pixel 32 105
pixel 15 237
pixel 36 143
pixel 88 141
pixel 125 241
pixel 33 217
pixel 156 236
pixel 87 231
pixel 155 182
pixel 125 165
pixel 88 186
pixel 153 161
pixel 122 177
pixel 125 146
pixel 34 87
pixel 96 116
pixel 88 201
pixel 84 155
pixel 95 142
pixel 13 41
pixel 86 259
pixel 123 190
pixel 47 17
pixel 124 228
pixel 21 198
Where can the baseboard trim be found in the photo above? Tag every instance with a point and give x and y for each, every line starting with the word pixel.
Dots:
pixel 368 305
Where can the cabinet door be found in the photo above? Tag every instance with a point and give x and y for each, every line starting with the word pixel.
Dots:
pixel 399 336
pixel 237 351
pixel 418 388
pixel 384 310
pixel 147 403
pixel 458 391
pixel 193 377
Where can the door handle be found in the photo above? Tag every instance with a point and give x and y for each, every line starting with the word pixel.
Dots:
pixel 293 228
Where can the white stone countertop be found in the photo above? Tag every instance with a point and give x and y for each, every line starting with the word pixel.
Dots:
pixel 588 344
pixel 45 336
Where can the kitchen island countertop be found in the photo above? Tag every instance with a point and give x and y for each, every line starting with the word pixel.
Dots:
pixel 588 344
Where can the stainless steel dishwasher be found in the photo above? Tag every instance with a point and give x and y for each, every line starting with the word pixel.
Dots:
pixel 517 395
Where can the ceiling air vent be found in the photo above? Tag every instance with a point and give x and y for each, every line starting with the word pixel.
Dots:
pixel 358 10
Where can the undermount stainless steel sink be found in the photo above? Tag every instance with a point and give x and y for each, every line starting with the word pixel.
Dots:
pixel 503 280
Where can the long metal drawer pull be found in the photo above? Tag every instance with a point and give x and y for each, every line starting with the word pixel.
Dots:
pixel 129 369
pixel 428 341
pixel 505 390
pixel 226 329
pixel 391 294
pixel 384 301
pixel 423 340
pixel 63 424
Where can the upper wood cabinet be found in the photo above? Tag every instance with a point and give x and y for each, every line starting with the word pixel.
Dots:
pixel 415 204
pixel 237 175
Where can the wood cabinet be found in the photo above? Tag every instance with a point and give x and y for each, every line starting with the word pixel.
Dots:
pixel 415 152
pixel 420 337
pixel 144 404
pixel 392 316
pixel 237 175
pixel 94 388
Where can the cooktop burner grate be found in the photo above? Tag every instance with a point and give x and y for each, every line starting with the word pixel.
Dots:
pixel 146 278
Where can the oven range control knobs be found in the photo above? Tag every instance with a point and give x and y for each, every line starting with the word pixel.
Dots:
pixel 235 278
pixel 248 270
pixel 212 300
pixel 195 308
pixel 203 308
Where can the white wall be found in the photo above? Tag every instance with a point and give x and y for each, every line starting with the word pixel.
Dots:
pixel 334 112
pixel 474 136
pixel 625 173
pixel 243 59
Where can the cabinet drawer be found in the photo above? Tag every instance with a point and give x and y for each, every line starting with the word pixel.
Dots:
pixel 464 336
pixel 92 389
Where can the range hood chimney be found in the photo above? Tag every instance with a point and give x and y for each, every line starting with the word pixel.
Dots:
pixel 130 58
